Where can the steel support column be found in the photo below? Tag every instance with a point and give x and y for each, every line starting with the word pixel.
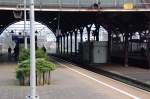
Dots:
pixel 25 19
pixel 64 44
pixel 32 52
pixel 109 45
pixel 75 32
pixel 71 42
pixel 97 31
pixel 148 50
pixel 131 41
pixel 88 27
pixel 126 50
pixel 81 34
pixel 67 43
pixel 61 44
pixel 58 44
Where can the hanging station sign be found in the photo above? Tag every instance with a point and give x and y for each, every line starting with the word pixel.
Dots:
pixel 128 6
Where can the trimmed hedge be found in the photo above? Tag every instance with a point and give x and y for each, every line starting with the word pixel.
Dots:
pixel 43 68
pixel 25 54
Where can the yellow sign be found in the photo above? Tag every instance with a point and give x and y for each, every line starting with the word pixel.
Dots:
pixel 128 6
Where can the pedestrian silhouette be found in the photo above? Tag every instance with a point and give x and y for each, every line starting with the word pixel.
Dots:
pixel 44 49
pixel 9 50
pixel 9 53
pixel 16 52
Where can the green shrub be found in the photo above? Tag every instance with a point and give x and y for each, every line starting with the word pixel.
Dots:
pixel 43 67
pixel 41 54
pixel 24 55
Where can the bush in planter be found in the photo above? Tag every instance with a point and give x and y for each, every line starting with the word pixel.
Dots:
pixel 41 54
pixel 25 54
pixel 43 67
pixel 22 72
pixel 43 70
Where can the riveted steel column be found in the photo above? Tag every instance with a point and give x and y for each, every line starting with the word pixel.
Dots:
pixel 71 41
pixel 67 42
pixel 88 32
pixel 148 49
pixel 75 32
pixel 148 53
pixel 61 44
pixel 64 43
pixel 89 48
pixel 97 31
pixel 126 50
pixel 109 45
pixel 58 44
pixel 81 35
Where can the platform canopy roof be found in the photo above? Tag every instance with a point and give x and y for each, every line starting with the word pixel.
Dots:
pixel 71 20
pixel 72 3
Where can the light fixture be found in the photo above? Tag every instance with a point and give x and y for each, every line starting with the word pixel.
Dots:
pixel 17 13
pixel 12 31
pixel 20 33
pixel 36 32
pixel 55 18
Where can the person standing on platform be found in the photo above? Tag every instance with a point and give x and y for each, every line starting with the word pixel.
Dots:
pixel 9 53
pixel 16 52
pixel 44 49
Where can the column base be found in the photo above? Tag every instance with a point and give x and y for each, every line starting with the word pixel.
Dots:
pixel 29 97
pixel 126 65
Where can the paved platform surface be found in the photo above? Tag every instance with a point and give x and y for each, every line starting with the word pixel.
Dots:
pixel 136 73
pixel 69 82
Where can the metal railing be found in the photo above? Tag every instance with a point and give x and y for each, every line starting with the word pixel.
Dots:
pixel 74 3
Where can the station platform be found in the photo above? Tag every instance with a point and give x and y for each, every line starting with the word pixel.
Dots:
pixel 68 82
pixel 132 72
pixel 131 75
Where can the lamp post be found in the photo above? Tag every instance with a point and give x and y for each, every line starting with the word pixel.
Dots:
pixel 32 53
pixel 25 35
pixel 58 24
pixel 59 33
